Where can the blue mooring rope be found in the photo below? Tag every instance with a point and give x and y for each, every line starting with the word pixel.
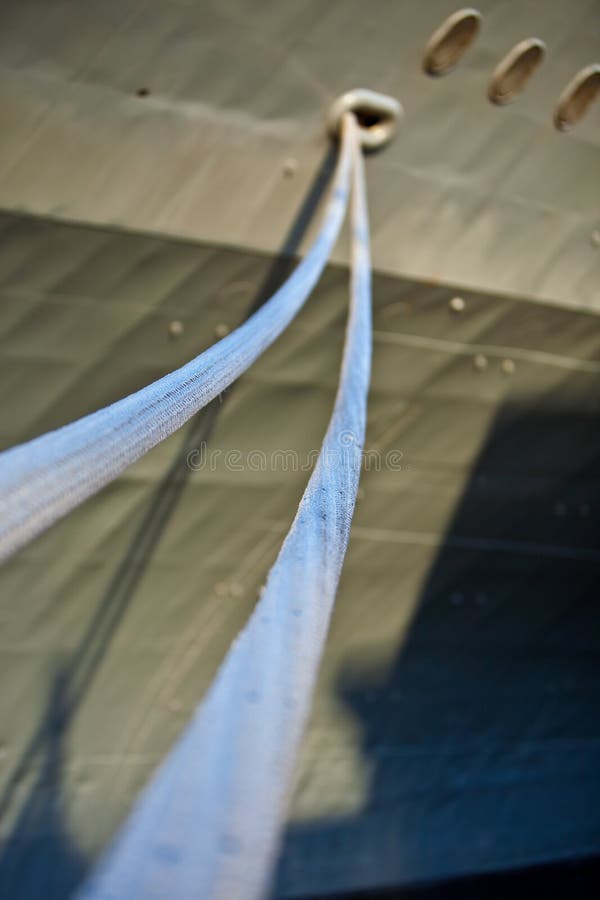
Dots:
pixel 207 826
pixel 46 478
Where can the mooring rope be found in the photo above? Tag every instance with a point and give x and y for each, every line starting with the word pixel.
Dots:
pixel 207 825
pixel 43 479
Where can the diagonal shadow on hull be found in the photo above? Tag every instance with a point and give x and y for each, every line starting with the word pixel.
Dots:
pixel 481 737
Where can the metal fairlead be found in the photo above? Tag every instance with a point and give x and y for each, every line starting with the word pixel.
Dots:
pixel 377 116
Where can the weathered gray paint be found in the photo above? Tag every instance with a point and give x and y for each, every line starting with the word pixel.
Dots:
pixel 492 198
pixel 455 726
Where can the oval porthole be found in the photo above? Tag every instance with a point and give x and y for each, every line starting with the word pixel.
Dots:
pixel 577 97
pixel 514 71
pixel 448 43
